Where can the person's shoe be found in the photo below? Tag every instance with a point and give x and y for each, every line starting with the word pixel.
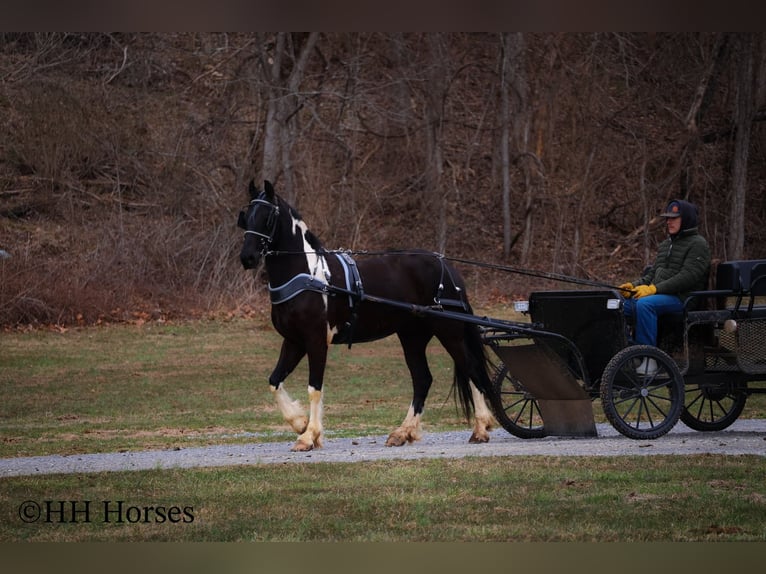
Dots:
pixel 647 367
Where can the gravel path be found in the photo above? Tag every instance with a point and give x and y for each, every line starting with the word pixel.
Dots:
pixel 742 438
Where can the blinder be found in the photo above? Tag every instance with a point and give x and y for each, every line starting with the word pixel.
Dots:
pixel 267 235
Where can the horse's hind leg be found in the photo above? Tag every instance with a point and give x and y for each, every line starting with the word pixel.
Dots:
pixel 483 419
pixel 414 345
pixel 289 357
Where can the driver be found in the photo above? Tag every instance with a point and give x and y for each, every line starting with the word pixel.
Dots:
pixel 682 265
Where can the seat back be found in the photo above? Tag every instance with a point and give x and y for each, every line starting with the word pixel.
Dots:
pixel 737 276
pixel 758 279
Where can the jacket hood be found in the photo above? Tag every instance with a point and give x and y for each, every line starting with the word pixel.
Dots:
pixel 689 214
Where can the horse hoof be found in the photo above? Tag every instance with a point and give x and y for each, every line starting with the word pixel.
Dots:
pixel 395 440
pixel 302 447
pixel 478 439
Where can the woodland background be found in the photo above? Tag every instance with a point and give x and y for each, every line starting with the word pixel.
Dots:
pixel 125 157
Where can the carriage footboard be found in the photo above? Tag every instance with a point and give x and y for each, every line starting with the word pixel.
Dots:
pixel 565 407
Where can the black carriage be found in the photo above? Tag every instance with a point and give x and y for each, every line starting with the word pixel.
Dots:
pixel 577 348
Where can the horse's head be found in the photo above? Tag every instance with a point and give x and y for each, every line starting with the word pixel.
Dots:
pixel 259 221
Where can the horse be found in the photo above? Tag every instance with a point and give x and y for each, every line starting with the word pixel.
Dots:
pixel 321 297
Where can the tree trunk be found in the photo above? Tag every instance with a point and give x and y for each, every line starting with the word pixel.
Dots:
pixel 514 126
pixel 272 138
pixel 505 156
pixel 436 94
pixel 743 116
pixel 284 101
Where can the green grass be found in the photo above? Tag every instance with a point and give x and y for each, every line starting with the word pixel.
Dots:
pixel 700 498
pixel 114 388
pixel 129 387
pixel 160 386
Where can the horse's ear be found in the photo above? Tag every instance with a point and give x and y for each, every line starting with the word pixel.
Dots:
pixel 269 189
pixel 252 190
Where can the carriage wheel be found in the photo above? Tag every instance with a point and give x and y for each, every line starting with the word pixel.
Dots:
pixel 518 411
pixel 642 406
pixel 713 406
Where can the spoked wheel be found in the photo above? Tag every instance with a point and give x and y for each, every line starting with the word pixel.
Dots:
pixel 517 411
pixel 640 402
pixel 713 406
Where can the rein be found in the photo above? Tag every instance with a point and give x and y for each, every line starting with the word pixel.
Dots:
pixel 494 266
pixel 534 273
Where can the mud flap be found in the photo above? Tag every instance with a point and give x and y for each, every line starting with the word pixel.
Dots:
pixel 565 407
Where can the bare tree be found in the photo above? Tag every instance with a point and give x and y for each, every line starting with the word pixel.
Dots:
pixel 283 64
pixel 514 130
pixel 437 85
pixel 743 119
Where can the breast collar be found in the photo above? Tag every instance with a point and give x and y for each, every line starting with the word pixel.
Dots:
pixel 307 282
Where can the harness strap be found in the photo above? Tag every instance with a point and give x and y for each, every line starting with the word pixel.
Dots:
pixel 354 288
pixel 460 303
pixel 307 282
pixel 353 279
pixel 298 284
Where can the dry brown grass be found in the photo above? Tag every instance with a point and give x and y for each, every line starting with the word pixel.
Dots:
pixel 125 159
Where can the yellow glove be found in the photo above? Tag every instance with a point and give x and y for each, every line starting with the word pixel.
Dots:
pixel 627 290
pixel 645 290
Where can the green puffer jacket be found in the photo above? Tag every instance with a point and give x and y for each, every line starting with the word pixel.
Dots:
pixel 682 265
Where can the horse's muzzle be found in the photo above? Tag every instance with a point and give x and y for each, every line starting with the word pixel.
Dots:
pixel 249 260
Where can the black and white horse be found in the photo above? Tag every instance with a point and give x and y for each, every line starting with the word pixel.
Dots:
pixel 321 298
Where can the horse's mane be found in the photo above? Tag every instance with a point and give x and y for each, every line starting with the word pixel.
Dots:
pixel 313 240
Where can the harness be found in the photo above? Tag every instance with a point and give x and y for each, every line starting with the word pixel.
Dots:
pixel 441 303
pixel 295 286
pixel 354 290
pixel 307 282
pixel 271 222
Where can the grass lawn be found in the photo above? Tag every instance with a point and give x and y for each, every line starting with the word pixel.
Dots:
pixel 129 387
pixel 523 499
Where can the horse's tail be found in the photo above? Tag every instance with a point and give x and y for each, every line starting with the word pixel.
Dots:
pixel 476 370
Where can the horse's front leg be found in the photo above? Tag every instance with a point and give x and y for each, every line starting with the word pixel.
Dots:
pixel 312 436
pixel 289 357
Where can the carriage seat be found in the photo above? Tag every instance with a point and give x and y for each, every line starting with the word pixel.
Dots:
pixel 741 276
pixel 738 280
pixel 744 279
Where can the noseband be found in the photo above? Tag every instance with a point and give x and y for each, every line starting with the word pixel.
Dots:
pixel 271 224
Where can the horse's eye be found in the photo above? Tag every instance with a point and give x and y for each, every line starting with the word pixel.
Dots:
pixel 242 221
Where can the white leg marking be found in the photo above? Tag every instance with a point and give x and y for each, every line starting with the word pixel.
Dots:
pixel 331 332
pixel 483 418
pixel 408 432
pixel 313 435
pixel 291 409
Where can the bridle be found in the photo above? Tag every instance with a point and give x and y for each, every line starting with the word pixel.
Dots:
pixel 271 223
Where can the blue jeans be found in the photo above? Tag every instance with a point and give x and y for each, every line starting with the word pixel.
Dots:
pixel 646 310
